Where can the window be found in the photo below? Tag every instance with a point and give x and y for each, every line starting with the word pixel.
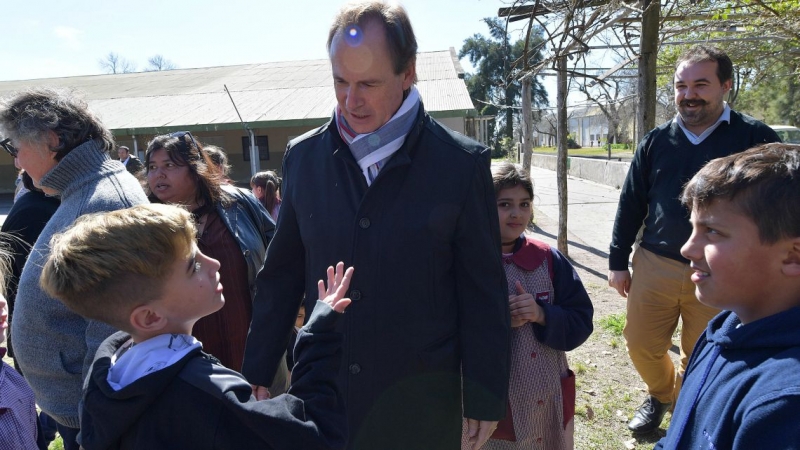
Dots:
pixel 262 143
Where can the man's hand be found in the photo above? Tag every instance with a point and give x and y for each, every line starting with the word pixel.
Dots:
pixel 620 280
pixel 479 432
pixel 260 392
pixel 338 283
pixel 524 308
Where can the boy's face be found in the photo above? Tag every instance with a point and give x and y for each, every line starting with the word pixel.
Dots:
pixel 733 269
pixel 190 292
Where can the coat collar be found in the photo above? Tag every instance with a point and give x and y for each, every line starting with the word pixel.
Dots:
pixel 529 254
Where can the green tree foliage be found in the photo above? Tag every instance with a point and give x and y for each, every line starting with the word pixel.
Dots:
pixel 763 40
pixel 494 87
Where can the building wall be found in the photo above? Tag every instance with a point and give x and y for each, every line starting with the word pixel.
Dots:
pixel 230 141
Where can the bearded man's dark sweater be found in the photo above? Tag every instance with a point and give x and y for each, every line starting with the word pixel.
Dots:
pixel 664 161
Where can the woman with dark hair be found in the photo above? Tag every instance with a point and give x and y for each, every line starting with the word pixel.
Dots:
pixel 232 228
pixel 65 149
pixel 265 186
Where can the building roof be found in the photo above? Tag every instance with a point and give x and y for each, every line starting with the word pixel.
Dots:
pixel 276 94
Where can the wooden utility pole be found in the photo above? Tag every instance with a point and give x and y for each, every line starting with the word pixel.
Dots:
pixel 648 47
pixel 561 159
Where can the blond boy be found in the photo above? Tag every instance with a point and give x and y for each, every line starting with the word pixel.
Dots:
pixel 150 385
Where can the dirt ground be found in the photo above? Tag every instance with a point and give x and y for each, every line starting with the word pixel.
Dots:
pixel 608 387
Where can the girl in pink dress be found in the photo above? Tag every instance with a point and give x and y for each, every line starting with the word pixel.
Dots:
pixel 551 313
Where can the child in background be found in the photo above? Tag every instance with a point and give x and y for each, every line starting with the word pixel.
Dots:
pixel 551 313
pixel 266 188
pixel 150 385
pixel 298 323
pixel 741 389
pixel 18 421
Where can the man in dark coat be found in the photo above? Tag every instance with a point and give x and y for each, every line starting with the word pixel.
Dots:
pixel 410 205
pixel 130 162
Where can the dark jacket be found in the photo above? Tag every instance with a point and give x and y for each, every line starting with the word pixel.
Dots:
pixel 252 227
pixel 22 227
pixel 134 165
pixel 741 389
pixel 198 404
pixel 664 161
pixel 429 292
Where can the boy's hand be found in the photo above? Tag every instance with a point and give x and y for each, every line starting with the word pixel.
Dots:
pixel 524 308
pixel 338 284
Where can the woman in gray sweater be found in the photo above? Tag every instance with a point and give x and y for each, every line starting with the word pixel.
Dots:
pixel 65 149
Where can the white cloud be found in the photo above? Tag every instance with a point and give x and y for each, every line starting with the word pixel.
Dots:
pixel 69 37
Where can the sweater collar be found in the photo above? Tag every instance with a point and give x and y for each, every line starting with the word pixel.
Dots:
pixel 84 161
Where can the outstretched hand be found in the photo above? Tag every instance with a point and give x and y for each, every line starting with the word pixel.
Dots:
pixel 524 308
pixel 338 284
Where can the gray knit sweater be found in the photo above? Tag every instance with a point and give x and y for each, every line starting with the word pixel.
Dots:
pixel 53 345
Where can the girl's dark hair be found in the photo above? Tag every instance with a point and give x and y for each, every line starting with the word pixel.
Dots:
pixel 30 115
pixel 507 175
pixel 270 182
pixel 184 150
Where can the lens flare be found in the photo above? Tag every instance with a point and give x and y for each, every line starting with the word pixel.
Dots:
pixel 353 35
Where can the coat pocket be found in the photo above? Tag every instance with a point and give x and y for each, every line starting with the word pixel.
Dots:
pixel 440 355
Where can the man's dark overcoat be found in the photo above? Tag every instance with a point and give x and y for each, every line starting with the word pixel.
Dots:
pixel 429 291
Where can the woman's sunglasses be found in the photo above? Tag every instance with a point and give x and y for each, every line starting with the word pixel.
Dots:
pixel 6 144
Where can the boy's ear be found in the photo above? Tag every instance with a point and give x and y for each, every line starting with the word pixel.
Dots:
pixel 791 265
pixel 146 319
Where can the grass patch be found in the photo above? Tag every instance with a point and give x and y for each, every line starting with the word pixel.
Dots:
pixel 585 151
pixel 579 368
pixel 613 323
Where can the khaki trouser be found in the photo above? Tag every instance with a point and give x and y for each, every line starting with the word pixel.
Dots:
pixel 661 292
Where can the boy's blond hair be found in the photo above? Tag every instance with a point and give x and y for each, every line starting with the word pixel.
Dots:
pixel 763 183
pixel 107 264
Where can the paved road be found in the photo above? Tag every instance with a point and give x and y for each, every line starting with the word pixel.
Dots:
pixel 590 219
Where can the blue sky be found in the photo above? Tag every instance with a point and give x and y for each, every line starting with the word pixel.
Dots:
pixel 54 38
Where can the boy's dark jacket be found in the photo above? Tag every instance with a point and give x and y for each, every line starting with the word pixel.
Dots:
pixel 198 404
pixel 742 387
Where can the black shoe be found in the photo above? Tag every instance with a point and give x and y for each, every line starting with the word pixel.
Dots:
pixel 648 416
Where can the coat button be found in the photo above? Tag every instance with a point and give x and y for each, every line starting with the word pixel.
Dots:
pixel 354 369
pixel 246 253
pixel 364 223
pixel 355 295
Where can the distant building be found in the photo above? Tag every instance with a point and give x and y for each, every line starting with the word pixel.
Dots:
pixel 278 101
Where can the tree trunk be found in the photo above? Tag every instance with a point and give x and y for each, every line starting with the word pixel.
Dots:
pixel 509 115
pixel 647 68
pixel 527 124
pixel 561 160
